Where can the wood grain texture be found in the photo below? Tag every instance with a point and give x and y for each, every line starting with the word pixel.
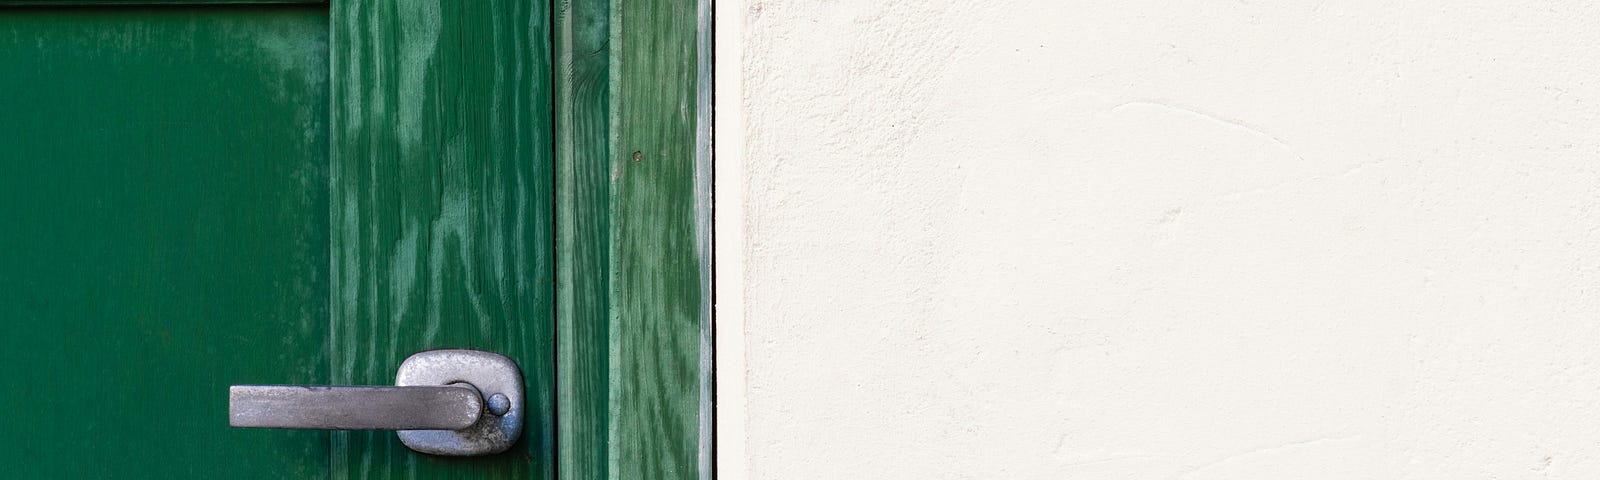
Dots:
pixel 660 250
pixel 634 241
pixel 583 239
pixel 442 224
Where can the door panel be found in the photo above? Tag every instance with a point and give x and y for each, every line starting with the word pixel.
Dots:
pixel 163 233
pixel 443 210
pixel 199 196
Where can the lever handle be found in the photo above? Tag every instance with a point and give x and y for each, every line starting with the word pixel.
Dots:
pixel 353 408
pixel 444 402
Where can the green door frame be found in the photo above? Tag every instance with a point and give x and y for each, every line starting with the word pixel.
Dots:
pixel 450 118
pixel 634 307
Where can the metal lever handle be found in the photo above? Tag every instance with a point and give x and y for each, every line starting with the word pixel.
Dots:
pixel 444 402
pixel 354 408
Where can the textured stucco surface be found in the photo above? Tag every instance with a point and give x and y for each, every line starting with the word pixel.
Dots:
pixel 1182 240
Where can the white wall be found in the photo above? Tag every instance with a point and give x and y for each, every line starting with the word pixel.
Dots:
pixel 1152 239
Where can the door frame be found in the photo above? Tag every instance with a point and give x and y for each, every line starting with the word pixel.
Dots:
pixel 634 240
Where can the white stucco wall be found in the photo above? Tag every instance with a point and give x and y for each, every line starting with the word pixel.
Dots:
pixel 1152 239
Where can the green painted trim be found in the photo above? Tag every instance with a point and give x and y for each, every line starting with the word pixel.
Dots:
pixel 442 221
pixel 633 239
pixel 583 216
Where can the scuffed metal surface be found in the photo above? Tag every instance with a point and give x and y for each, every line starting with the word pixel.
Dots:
pixel 492 375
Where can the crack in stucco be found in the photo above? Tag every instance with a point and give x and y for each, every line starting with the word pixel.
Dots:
pixel 1269 449
pixel 1231 123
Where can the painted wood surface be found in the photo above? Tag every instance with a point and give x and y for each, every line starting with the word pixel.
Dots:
pixel 442 214
pixel 634 241
pixel 583 241
pixel 441 230
pixel 163 234
pixel 109 3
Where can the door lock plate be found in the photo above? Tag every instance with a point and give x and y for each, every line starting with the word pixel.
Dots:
pixel 496 378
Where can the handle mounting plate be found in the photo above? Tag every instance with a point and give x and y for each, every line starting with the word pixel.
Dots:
pixel 492 374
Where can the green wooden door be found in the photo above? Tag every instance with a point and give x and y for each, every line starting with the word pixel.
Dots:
pixel 164 200
pixel 200 193
pixel 193 196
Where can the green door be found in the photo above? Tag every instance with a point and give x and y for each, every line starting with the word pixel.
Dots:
pixel 201 195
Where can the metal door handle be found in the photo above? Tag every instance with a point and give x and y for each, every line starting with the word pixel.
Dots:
pixel 445 402
pixel 353 408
